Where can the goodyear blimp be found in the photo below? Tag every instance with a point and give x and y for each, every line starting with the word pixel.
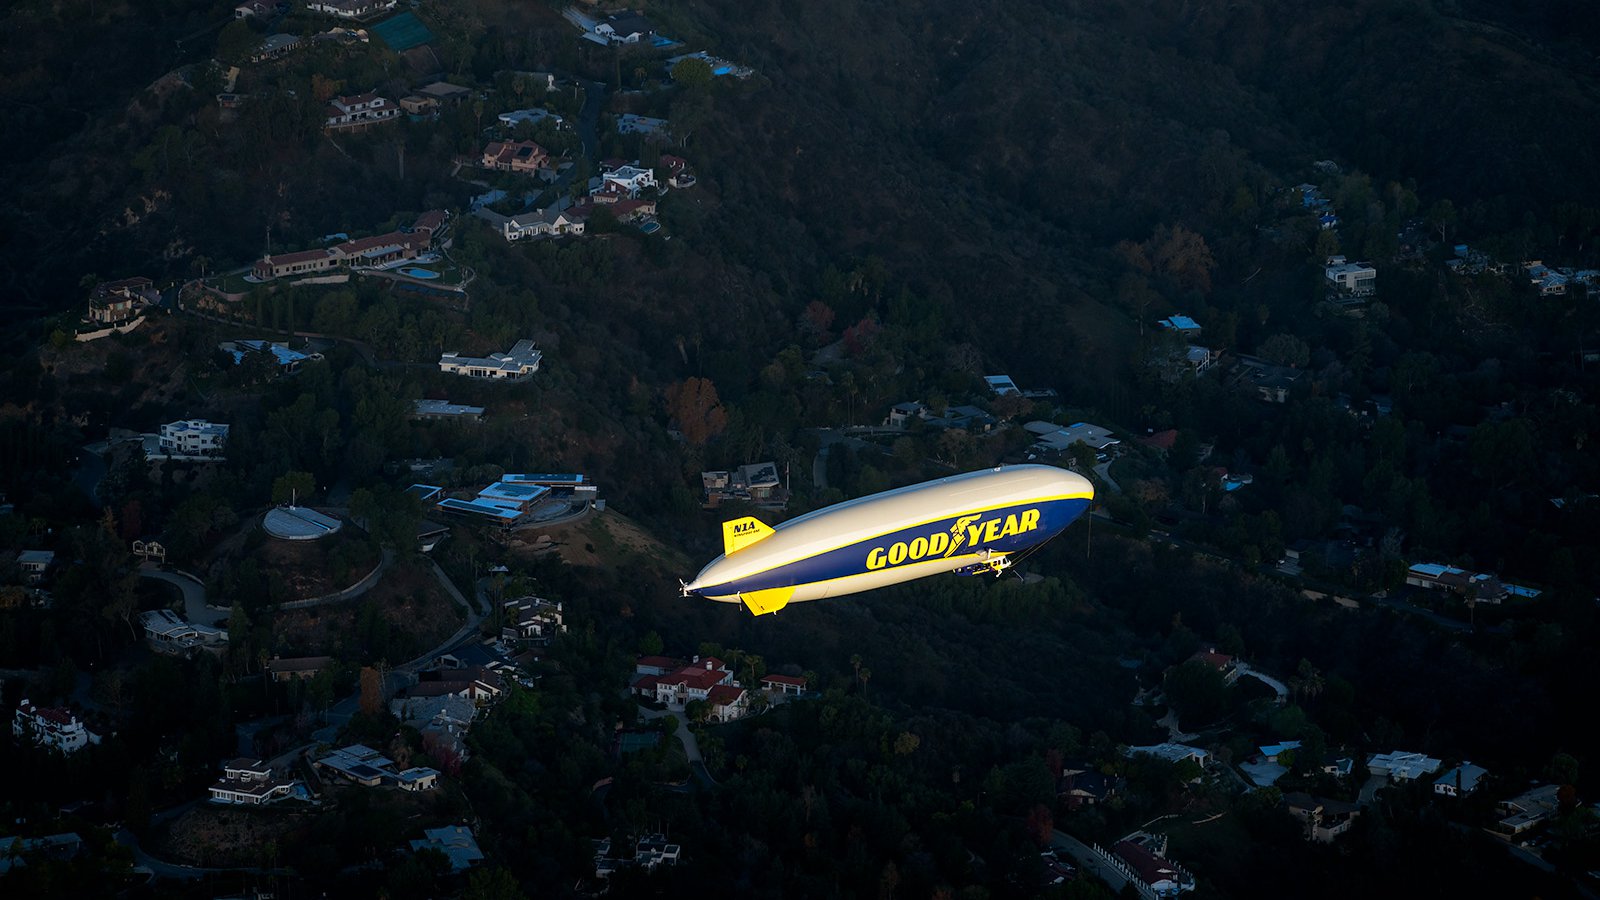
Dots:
pixel 967 524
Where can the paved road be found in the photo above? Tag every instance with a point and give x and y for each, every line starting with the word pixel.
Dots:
pixel 1088 860
pixel 399 676
pixel 1104 471
pixel 691 745
pixel 163 869
pixel 194 595
pixel 1369 790
pixel 1278 687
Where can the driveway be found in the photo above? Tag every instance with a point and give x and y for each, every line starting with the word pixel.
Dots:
pixel 194 595
pixel 691 745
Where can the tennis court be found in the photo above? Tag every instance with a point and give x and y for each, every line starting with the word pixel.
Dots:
pixel 403 32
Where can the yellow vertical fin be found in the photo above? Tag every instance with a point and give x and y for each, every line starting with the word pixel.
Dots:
pixel 741 533
pixel 768 601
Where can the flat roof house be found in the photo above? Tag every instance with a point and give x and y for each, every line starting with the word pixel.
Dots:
pixel 194 437
pixel 520 363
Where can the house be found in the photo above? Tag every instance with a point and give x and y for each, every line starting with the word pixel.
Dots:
pixel 1271 752
pixel 417 778
pixel 549 222
pixel 694 681
pixel 677 169
pixel 1225 665
pixel 359 764
pixel 515 156
pixel 630 179
pixel 359 111
pixel 1081 784
pixel 255 9
pixel 623 210
pixel 628 123
pixel 1477 587
pixel 756 483
pixel 455 842
pixel 521 362
pixel 1183 325
pixel 728 702
pixel 1324 819
pixel 288 361
pixel 1052 438
pixel 444 92
pixel 194 438
pixel 1340 768
pixel 1402 766
pixel 647 852
pixel 15 851
pixel 167 632
pixel 1173 753
pixel 248 782
pixel 903 414
pixel 1161 441
pixel 361 253
pixel 1198 359
pixel 117 302
pixel 626 27
pixel 297 667
pixel 656 665
pixel 54 728
pixel 531 619
pixel 1267 381
pixel 1001 385
pixel 419 107
pixel 351 9
pixel 1143 858
pixel 1528 809
pixel 35 563
pixel 1460 781
pixel 444 409
pixel 532 116
pixel 783 685
pixel 1354 279
pixel 275 46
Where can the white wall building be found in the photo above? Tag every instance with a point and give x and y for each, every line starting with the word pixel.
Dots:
pixel 55 728
pixel 351 9
pixel 359 111
pixel 632 179
pixel 520 363
pixel 1402 766
pixel 1359 279
pixel 194 437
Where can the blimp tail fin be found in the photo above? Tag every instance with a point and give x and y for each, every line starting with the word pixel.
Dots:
pixel 768 601
pixel 741 533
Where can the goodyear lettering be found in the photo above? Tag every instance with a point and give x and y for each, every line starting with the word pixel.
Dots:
pixel 967 531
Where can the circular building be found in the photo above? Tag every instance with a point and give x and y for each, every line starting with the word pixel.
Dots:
pixel 299 523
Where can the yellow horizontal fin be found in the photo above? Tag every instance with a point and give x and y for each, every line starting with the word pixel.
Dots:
pixel 768 601
pixel 741 533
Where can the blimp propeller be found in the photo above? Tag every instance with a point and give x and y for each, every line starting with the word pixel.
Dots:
pixel 969 524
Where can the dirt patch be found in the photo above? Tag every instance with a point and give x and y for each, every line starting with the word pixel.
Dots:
pixel 297 570
pixel 222 836
pixel 404 615
pixel 604 539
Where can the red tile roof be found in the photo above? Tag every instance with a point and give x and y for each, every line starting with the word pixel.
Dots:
pixel 1151 868
pixel 430 221
pixel 725 695
pixel 299 256
pixel 1212 658
pixel 1161 440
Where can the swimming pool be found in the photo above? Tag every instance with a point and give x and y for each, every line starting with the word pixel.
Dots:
pixel 414 272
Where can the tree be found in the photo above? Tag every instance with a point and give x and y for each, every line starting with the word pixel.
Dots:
pixel 236 41
pixel 1285 350
pixel 1197 691
pixel 693 404
pixel 692 72
pixel 492 883
pixel 650 644
pixel 371 691
pixel 293 487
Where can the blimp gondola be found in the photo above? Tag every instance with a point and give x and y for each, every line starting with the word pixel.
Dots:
pixel 967 524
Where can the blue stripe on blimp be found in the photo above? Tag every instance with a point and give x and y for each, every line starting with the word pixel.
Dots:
pixel 920 543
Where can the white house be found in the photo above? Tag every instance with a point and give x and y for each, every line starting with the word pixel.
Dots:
pixel 548 222
pixel 54 727
pixel 358 111
pixel 520 363
pixel 1529 808
pixel 1001 385
pixel 630 178
pixel 1358 279
pixel 728 702
pixel 1402 766
pixel 625 28
pixel 34 563
pixel 628 123
pixel 351 9
pixel 254 9
pixel 1173 753
pixel 532 619
pixel 1460 781
pixel 194 437
pixel 784 685
pixel 168 632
